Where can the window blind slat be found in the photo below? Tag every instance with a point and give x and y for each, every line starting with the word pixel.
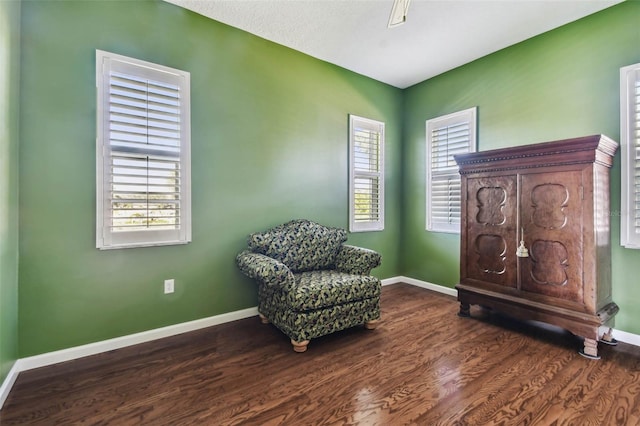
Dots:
pixel 630 141
pixel 366 138
pixel 144 141
pixel 446 136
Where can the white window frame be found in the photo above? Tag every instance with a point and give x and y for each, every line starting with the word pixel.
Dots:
pixel 375 173
pixel 630 143
pixel 108 237
pixel 464 117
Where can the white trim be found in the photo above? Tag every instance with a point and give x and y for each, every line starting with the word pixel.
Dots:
pixel 8 382
pixel 629 237
pixel 423 284
pixel 389 281
pixel 622 336
pixel 63 355
pixel 106 238
pixel 467 116
pixel 374 126
pixel 69 354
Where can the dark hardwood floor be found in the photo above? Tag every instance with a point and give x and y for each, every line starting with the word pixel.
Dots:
pixel 423 366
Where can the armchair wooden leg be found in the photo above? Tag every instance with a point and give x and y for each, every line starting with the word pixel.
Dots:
pixel 371 325
pixel 299 346
pixel 263 319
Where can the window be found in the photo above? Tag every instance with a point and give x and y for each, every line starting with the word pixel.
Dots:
pixel 143 159
pixel 630 144
pixel 447 136
pixel 366 174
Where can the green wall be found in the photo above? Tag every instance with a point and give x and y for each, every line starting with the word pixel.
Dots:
pixel 9 107
pixel 561 84
pixel 269 144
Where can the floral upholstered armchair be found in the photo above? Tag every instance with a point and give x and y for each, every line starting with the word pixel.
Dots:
pixel 309 282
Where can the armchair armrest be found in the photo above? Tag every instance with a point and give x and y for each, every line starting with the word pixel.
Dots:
pixel 357 260
pixel 264 269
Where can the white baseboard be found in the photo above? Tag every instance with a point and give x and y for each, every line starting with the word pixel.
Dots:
pixel 621 336
pixel 69 354
pixel 8 383
pixel 50 358
pixel 424 284
pixel 76 352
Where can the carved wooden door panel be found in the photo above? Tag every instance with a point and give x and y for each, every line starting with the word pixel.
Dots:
pixel 491 220
pixel 551 216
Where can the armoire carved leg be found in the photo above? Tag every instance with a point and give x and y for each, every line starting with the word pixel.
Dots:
pixel 607 338
pixel 465 310
pixel 263 319
pixel 371 325
pixel 299 346
pixel 590 349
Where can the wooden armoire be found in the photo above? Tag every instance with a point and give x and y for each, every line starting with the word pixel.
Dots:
pixel 535 241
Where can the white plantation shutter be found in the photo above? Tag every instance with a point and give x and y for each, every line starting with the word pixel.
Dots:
pixel 143 153
pixel 366 173
pixel 447 136
pixel 630 144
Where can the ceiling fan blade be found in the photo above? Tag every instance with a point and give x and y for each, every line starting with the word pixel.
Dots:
pixel 398 13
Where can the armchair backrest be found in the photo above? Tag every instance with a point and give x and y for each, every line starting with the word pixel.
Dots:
pixel 300 244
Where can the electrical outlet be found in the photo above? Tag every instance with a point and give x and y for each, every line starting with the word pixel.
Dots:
pixel 169 286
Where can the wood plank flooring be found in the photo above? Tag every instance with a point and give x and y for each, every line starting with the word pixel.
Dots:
pixel 422 366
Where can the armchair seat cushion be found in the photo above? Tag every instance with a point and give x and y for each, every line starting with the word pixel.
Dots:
pixel 324 288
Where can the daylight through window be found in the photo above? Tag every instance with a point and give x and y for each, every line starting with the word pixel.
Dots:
pixel 447 136
pixel 143 153
pixel 366 142
pixel 630 145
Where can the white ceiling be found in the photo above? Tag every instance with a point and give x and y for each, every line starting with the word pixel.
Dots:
pixel 439 35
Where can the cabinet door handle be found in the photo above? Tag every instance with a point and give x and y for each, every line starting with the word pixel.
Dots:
pixel 522 250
